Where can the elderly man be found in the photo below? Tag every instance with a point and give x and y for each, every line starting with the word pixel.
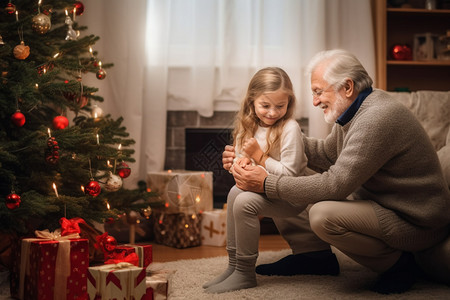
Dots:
pixel 377 192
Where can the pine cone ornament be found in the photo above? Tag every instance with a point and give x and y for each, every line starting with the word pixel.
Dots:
pixel 52 152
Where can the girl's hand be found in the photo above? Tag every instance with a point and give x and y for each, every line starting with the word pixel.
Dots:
pixel 252 149
pixel 251 146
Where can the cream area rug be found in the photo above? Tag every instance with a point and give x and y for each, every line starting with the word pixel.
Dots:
pixel 354 282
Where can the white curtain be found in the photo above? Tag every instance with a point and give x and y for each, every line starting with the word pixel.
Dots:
pixel 200 55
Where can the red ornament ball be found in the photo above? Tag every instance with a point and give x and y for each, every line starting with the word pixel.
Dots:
pixel 60 122
pixel 82 100
pixel 79 6
pixel 123 170
pixel 92 188
pixel 109 244
pixel 18 118
pixel 401 52
pixel 10 8
pixel 13 201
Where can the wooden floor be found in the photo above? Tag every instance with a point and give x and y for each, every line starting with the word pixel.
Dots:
pixel 164 254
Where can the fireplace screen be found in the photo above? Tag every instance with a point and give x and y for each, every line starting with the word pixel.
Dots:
pixel 204 147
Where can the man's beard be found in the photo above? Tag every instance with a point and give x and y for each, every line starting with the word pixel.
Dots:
pixel 339 106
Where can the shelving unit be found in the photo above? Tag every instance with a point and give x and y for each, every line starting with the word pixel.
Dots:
pixel 397 26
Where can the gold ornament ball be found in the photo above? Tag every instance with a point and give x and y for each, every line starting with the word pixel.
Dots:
pixel 41 23
pixel 21 51
pixel 101 74
pixel 146 212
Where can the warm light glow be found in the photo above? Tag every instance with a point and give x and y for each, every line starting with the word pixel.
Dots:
pixel 108 164
pixel 100 64
pixel 17 15
pixel 197 199
pixel 56 191
pixel 95 115
pixel 67 13
pixel 49 132
pixel 169 171
pixel 193 216
pixel 108 206
pixel 40 1
pixel 186 225
pixel 37 86
pixel 98 140
pixel 82 189
pixel 149 190
pixel 90 50
pixel 166 205
pixel 120 147
pixel 56 55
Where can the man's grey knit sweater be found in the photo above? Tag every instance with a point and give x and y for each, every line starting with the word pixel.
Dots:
pixel 382 155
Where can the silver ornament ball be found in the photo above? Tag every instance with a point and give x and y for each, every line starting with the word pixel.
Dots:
pixel 114 183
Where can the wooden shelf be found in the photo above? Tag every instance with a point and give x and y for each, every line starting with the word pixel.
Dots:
pixel 417 11
pixel 443 63
pixel 399 26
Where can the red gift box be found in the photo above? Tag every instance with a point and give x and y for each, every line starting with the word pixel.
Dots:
pixel 144 252
pixel 143 255
pixel 53 267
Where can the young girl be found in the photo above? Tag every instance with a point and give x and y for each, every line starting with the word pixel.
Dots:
pixel 266 135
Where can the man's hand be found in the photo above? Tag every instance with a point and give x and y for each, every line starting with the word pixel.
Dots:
pixel 227 157
pixel 249 178
pixel 243 161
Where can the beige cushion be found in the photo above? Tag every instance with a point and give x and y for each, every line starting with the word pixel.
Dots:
pixel 432 109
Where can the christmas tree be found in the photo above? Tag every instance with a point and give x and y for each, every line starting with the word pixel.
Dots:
pixel 49 167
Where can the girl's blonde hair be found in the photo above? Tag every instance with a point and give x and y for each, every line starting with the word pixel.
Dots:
pixel 267 80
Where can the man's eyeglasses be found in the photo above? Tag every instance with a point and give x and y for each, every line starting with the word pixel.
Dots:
pixel 319 92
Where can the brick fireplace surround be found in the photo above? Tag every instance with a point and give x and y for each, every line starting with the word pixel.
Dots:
pixel 178 121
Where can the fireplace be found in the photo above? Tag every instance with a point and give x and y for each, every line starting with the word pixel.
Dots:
pixel 204 147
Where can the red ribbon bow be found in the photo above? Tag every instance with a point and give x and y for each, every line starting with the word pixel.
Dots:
pixel 116 258
pixel 70 226
pixel 100 240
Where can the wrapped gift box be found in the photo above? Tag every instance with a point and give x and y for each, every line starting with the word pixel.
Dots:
pixel 52 269
pixel 177 230
pixel 214 227
pixel 183 191
pixel 144 252
pixel 158 284
pixel 125 232
pixel 116 281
